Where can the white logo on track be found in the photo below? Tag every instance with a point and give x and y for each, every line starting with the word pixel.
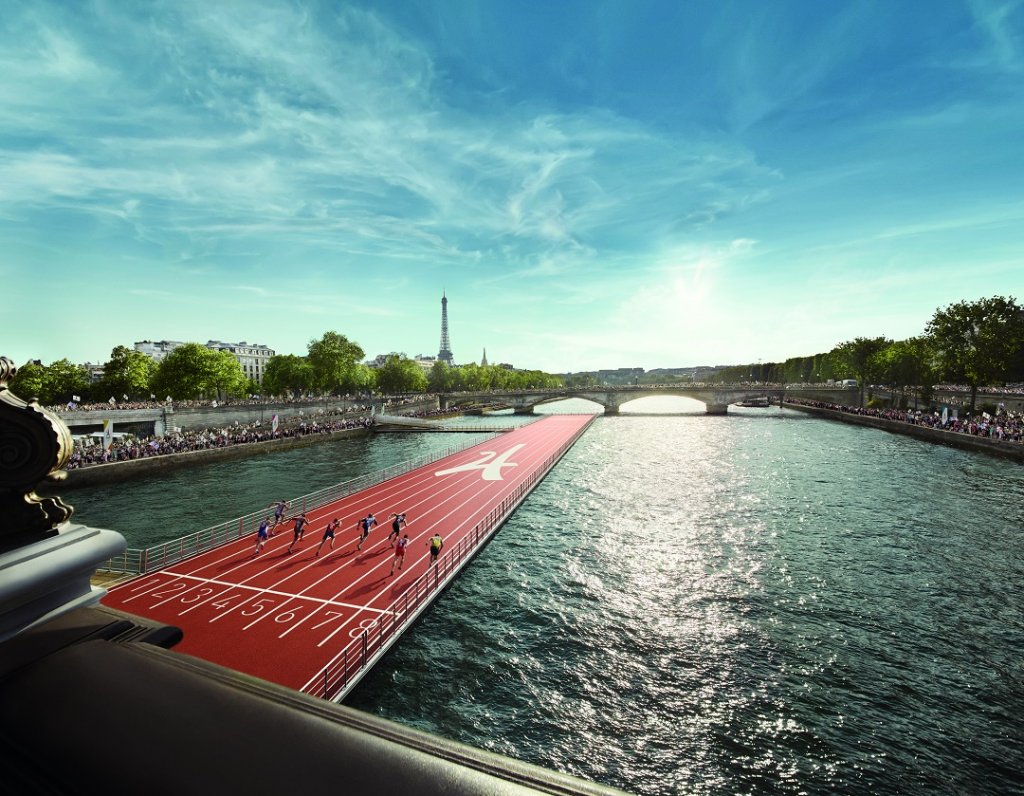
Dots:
pixel 488 463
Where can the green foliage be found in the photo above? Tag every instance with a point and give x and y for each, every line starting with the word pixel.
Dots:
pixel 28 381
pixel 62 380
pixel 128 372
pixel 399 374
pixel 581 380
pixel 363 378
pixel 858 357
pixel 227 376
pixel 441 378
pixel 481 378
pixel 905 363
pixel 978 342
pixel 194 371
pixel 287 373
pixel 334 359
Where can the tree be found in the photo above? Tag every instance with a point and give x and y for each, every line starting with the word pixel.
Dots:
pixel 287 373
pixel 226 375
pixel 906 363
pixel 63 380
pixel 399 374
pixel 441 378
pixel 28 381
pixel 193 371
pixel 334 358
pixel 363 378
pixel 473 377
pixel 859 358
pixel 128 372
pixel 977 343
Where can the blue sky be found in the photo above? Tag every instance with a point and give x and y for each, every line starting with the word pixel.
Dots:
pixel 593 184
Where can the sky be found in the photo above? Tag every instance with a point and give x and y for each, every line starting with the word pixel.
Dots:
pixel 591 184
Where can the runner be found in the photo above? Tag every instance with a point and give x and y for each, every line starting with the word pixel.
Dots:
pixel 400 553
pixel 261 535
pixel 300 529
pixel 365 524
pixel 396 526
pixel 435 543
pixel 332 526
pixel 279 508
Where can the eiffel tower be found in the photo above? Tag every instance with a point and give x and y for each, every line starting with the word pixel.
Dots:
pixel 445 354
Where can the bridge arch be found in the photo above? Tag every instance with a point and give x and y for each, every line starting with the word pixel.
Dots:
pixel 662 404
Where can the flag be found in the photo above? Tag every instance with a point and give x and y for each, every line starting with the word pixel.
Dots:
pixel 108 434
pixel 945 415
pixel 75 398
pixel 273 424
pixel 111 400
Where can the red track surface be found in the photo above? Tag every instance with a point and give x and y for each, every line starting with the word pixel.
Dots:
pixel 284 617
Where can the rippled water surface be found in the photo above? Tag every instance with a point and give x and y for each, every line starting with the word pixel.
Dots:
pixel 758 603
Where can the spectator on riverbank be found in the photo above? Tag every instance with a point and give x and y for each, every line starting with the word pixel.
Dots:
pixel 1003 426
pixel 127 449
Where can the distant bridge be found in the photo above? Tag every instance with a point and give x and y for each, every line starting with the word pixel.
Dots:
pixel 716 398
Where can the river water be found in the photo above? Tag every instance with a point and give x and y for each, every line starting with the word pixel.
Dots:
pixel 760 603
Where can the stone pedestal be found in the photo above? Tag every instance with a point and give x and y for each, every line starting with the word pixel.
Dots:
pixel 50 577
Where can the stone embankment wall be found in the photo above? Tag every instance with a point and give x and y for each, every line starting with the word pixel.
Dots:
pixel 1010 450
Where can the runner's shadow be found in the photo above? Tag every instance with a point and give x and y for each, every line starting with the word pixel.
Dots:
pixel 293 560
pixel 400 587
pixel 332 559
pixel 367 587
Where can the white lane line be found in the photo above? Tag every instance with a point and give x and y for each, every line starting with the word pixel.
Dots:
pixel 285 594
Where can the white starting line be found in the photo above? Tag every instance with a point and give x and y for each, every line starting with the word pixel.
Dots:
pixel 277 593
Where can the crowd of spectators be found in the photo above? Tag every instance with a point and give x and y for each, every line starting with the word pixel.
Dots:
pixel 85 454
pixel 1002 426
pixel 1009 389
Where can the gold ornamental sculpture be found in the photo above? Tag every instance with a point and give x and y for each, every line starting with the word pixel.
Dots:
pixel 34 445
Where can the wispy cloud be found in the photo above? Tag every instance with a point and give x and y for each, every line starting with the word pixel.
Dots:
pixel 1002 22
pixel 337 156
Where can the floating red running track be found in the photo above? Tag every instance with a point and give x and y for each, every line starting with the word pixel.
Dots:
pixel 316 623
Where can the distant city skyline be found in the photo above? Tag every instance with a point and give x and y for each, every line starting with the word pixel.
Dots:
pixel 591 184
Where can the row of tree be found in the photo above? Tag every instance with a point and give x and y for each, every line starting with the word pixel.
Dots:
pixel 332 365
pixel 190 371
pixel 974 343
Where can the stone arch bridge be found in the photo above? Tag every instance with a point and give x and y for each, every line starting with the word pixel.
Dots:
pixel 716 398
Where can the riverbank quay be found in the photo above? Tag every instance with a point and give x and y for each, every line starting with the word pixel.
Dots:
pixel 116 472
pixel 995 447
